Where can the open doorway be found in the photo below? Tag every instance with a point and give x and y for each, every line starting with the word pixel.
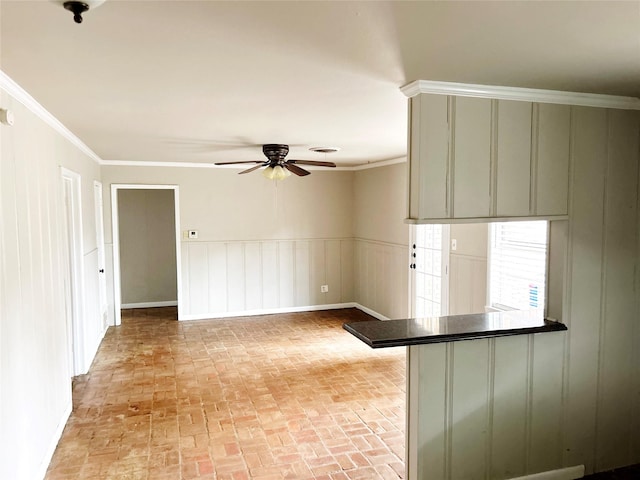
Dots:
pixel 146 242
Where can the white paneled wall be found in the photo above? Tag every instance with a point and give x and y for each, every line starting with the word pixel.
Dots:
pixel 242 277
pixel 486 408
pixel 602 295
pixel 381 272
pixel 468 284
pixel 554 401
pixel 35 367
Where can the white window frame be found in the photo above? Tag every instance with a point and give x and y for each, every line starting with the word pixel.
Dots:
pixel 502 307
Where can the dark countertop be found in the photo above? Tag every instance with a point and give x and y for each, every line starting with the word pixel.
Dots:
pixel 418 331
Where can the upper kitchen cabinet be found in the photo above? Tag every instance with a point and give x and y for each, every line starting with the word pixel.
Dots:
pixel 551 159
pixel 470 178
pixel 491 153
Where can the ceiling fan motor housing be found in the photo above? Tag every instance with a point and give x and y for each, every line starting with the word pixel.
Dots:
pixel 275 152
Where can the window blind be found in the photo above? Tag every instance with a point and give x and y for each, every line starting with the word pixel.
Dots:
pixel 517 267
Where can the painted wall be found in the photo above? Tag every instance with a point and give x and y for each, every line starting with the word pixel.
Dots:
pixel 468 268
pixel 381 247
pixel 602 382
pixel 262 245
pixel 147 246
pixel 507 407
pixel 225 206
pixel 35 372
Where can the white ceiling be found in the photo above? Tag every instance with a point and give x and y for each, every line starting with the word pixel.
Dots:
pixel 207 81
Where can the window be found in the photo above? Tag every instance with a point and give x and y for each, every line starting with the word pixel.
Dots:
pixel 517 265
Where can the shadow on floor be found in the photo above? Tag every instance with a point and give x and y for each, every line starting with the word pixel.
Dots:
pixel 627 473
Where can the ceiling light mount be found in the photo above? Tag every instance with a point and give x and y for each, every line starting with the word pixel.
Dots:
pixel 325 149
pixel 78 7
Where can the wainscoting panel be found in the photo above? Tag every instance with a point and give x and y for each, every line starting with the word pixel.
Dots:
pixel 333 272
pixel 487 408
pixel 235 278
pixel 287 278
pixel 270 281
pixel 428 429
pixel 198 277
pixel 469 409
pixel 253 271
pixel 511 387
pixel 347 269
pixel 217 277
pixel 468 280
pixel 254 276
pixel 546 374
pixel 302 259
pixel 318 273
pixel 381 277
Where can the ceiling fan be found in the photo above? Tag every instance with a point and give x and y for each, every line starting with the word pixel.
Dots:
pixel 277 168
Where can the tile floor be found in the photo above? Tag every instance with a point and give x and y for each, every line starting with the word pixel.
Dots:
pixel 277 397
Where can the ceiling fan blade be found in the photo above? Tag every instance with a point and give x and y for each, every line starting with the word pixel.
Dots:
pixel 234 163
pixel 301 172
pixel 313 162
pixel 249 170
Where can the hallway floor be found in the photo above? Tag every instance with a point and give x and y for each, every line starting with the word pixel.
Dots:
pixel 290 396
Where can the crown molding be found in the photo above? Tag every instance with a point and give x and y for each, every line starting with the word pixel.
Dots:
pixel 384 163
pixel 521 94
pixel 135 163
pixel 21 95
pixel 143 163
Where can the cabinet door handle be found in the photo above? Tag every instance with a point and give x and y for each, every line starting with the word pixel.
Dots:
pixel 101 270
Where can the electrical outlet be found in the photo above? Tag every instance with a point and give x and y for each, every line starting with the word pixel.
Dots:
pixel 193 233
pixel 324 288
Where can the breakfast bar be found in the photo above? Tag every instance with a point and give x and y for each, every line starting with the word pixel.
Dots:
pixel 418 331
pixel 483 391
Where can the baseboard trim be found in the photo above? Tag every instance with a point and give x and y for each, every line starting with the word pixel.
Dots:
pixel 46 460
pixel 272 311
pixel 569 473
pixel 171 303
pixel 373 313
pixel 266 311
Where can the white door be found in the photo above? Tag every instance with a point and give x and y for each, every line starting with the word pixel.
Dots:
pixel 73 279
pixel 102 280
pixel 430 270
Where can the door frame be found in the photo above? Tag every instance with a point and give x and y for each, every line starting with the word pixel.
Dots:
pixel 74 241
pixel 115 234
pixel 102 277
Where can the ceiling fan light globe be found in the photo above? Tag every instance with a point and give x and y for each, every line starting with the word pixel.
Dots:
pixel 280 173
pixel 269 173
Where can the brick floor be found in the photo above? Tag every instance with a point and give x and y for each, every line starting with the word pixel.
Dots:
pixel 290 396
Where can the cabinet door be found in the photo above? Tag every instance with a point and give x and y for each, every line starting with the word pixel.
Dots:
pixel 429 157
pixel 513 158
pixel 552 159
pixel 472 154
